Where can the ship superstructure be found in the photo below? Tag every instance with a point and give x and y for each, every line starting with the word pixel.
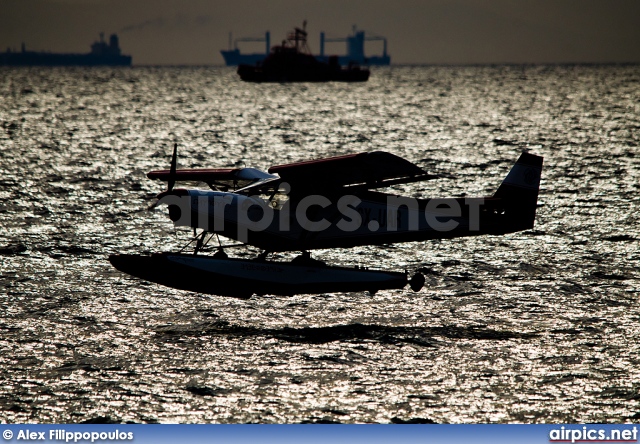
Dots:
pixel 355 49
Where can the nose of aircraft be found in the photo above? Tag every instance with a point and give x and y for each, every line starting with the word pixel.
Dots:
pixel 168 197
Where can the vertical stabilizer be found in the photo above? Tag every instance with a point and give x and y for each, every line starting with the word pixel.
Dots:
pixel 519 191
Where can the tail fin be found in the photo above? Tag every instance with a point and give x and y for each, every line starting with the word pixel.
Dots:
pixel 519 191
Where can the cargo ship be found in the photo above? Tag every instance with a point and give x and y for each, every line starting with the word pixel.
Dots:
pixel 102 54
pixel 354 43
pixel 233 57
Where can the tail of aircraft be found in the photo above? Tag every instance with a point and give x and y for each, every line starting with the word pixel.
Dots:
pixel 519 191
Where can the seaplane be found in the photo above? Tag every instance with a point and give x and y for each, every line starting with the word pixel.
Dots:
pixel 326 203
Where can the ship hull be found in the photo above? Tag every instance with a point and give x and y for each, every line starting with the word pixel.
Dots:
pixel 344 60
pixel 243 278
pixel 318 74
pixel 235 58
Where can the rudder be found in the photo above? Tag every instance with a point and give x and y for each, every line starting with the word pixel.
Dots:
pixel 519 191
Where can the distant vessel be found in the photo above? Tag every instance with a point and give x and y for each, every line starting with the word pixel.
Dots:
pixel 102 53
pixel 233 57
pixel 354 42
pixel 355 49
pixel 292 62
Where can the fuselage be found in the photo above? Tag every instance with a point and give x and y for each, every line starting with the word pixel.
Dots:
pixel 313 221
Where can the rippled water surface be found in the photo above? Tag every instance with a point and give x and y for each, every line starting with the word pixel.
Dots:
pixel 537 326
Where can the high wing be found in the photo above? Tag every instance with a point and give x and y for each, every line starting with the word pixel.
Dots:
pixel 376 169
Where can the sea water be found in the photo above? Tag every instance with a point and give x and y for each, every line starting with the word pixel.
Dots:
pixel 536 326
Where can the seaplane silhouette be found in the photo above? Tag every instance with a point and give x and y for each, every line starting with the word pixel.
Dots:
pixel 317 204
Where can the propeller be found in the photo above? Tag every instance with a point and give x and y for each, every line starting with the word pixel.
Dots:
pixel 172 170
pixel 172 176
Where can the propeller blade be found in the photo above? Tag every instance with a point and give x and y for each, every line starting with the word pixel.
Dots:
pixel 172 171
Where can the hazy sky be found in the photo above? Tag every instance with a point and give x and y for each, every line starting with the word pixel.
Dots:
pixel 419 31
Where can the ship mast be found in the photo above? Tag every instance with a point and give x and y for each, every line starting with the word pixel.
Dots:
pixel 299 38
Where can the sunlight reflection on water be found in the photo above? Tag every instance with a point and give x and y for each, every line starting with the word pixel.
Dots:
pixel 538 326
